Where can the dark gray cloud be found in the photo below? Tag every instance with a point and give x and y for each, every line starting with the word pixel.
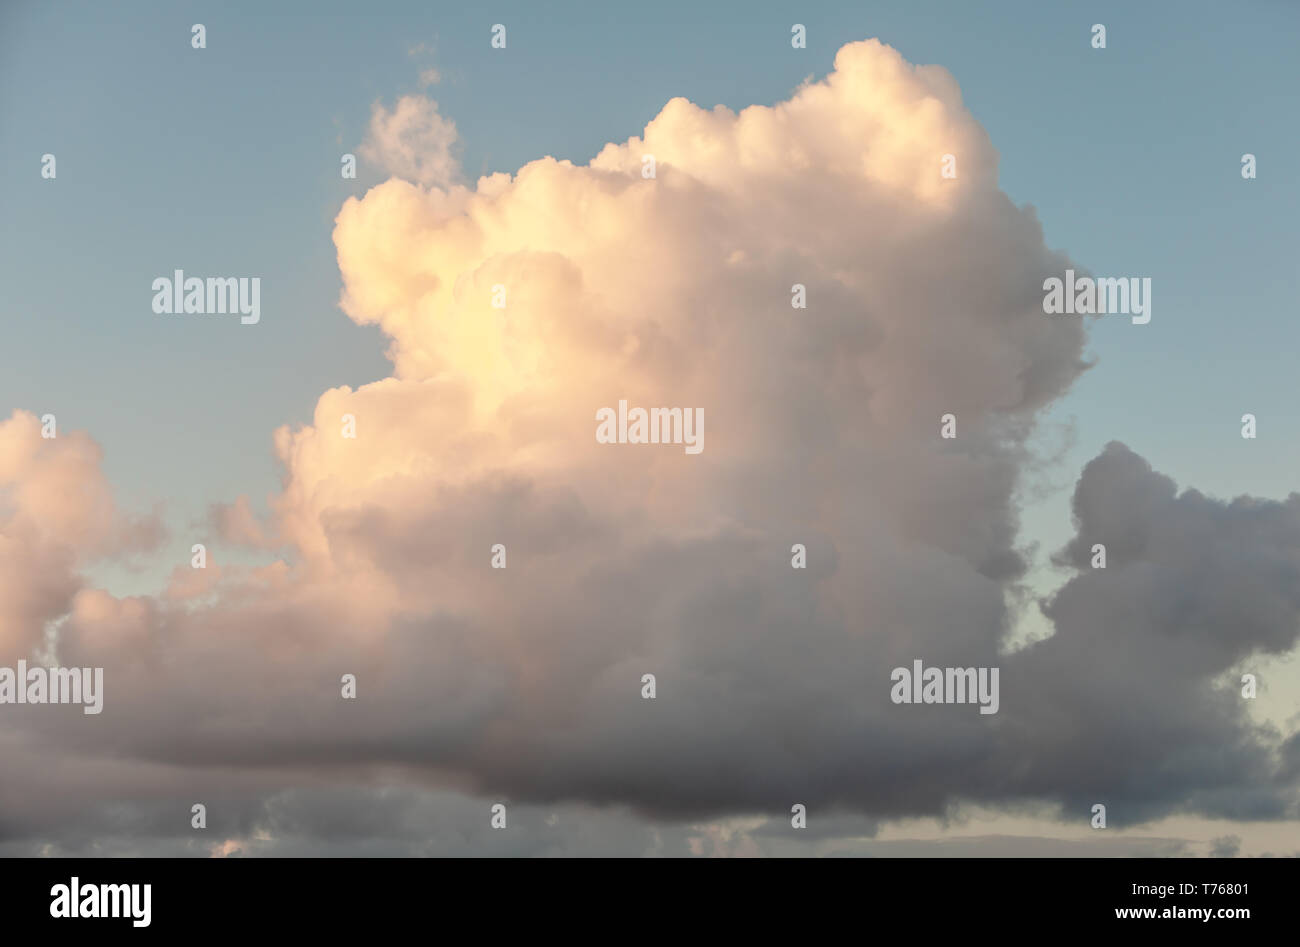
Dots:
pixel 1132 700
pixel 767 696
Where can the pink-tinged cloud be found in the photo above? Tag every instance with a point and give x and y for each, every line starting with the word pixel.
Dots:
pixel 413 141
pixel 822 428
pixel 57 515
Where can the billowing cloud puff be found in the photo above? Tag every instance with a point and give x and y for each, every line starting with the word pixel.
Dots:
pixel 413 141
pixel 822 428
pixel 56 515
pixel 1130 694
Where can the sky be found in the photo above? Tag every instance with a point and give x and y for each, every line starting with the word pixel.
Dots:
pixel 226 161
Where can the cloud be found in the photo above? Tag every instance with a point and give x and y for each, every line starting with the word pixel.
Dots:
pixel 523 683
pixel 236 523
pixel 1226 846
pixel 1133 696
pixel 57 515
pixel 413 141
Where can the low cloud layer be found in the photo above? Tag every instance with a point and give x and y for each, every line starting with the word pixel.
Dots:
pixel 524 684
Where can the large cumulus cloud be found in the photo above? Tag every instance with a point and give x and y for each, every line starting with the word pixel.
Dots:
pixel 821 428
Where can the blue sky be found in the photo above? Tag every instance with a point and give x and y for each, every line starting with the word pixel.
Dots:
pixel 225 160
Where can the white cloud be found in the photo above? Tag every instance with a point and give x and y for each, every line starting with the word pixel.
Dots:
pixel 413 141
